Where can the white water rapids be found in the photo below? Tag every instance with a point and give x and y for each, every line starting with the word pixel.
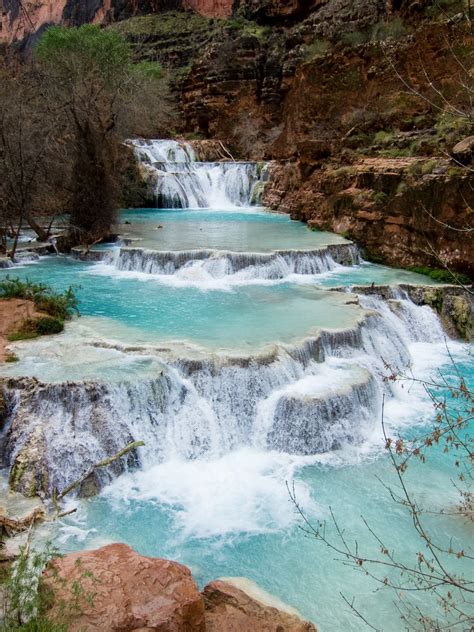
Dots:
pixel 180 181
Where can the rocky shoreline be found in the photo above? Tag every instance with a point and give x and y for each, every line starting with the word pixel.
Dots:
pixel 132 592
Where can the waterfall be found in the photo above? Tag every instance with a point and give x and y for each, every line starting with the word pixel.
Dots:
pixel 203 267
pixel 180 181
pixel 306 398
pixel 247 265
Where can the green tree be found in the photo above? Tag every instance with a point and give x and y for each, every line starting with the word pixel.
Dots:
pixel 89 73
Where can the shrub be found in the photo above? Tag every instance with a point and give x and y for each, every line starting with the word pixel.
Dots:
pixel 355 38
pixel 27 331
pixel 415 169
pixel 402 188
pixel 49 325
pixel 383 137
pixel 58 305
pixel 390 29
pixel 428 167
pixel 32 328
pixel 383 30
pixel 395 152
pixel 380 198
pixel 443 276
pixel 26 600
pixel 317 49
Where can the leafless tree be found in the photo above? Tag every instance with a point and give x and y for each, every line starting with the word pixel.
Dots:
pixel 31 160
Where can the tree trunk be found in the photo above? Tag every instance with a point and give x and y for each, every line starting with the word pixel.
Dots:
pixel 39 230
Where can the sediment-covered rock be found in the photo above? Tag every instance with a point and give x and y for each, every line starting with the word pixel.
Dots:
pixel 453 303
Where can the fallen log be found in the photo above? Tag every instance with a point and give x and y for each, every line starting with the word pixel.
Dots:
pixel 12 526
pixel 128 448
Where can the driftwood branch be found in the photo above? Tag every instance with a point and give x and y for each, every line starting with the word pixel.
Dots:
pixel 10 527
pixel 13 526
pixel 104 463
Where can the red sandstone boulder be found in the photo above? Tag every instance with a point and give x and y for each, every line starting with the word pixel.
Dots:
pixel 239 605
pixel 129 592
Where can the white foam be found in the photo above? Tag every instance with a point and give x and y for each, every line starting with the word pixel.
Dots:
pixel 244 491
pixel 182 182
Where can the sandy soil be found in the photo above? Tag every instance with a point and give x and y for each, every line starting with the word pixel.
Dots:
pixel 13 312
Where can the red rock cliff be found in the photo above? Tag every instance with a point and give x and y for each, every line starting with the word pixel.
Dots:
pixel 211 8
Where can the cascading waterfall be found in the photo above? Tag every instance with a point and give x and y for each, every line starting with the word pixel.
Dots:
pixel 201 266
pixel 220 264
pixel 302 399
pixel 180 181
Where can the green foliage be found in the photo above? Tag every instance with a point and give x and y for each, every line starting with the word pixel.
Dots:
pixel 344 171
pixel 58 305
pixel 171 23
pixel 11 357
pixel 355 38
pixel 49 325
pixel 194 136
pixel 24 605
pixel 415 169
pixel 452 127
pixel 383 30
pixel 380 198
pixel 428 167
pixel 383 137
pixel 148 70
pixel 396 152
pixel 402 188
pixel 318 48
pixel 248 28
pixel 388 29
pixel 27 601
pixel 27 331
pixel 92 48
pixel 443 276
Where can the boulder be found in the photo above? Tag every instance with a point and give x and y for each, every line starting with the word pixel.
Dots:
pixel 239 605
pixel 121 591
pixel 463 152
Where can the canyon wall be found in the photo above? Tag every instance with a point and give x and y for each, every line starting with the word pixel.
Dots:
pixel 20 19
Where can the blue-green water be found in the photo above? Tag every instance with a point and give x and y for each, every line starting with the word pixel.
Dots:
pixel 229 514
pixel 233 517
pixel 243 231
pixel 148 311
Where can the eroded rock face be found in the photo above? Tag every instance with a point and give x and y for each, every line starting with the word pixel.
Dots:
pixel 399 218
pixel 131 592
pixel 211 8
pixel 453 304
pixel 229 608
